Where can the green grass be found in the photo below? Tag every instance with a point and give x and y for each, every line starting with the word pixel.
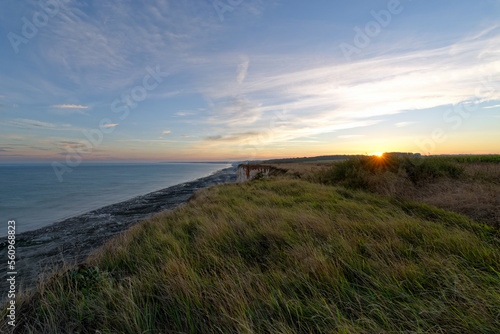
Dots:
pixel 284 256
pixel 368 172
pixel 475 158
pixel 470 187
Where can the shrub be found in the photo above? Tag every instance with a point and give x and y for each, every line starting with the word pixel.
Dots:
pixel 370 172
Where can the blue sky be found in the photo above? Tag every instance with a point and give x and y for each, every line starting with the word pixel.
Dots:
pixel 197 80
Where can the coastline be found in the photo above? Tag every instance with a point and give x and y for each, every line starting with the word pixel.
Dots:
pixel 72 240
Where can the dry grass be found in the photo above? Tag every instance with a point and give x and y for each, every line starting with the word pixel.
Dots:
pixel 304 170
pixel 284 256
pixel 488 172
pixel 474 193
pixel 477 200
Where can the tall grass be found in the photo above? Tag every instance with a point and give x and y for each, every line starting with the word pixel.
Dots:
pixel 285 256
pixel 475 158
pixel 469 187
pixel 366 172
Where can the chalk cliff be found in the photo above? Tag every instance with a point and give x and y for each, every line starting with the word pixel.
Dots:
pixel 248 172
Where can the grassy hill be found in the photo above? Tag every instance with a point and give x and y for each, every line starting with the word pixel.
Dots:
pixel 285 256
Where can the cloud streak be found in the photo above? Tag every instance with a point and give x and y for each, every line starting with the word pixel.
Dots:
pixel 69 106
pixel 491 107
pixel 404 124
pixel 351 136
pixel 69 109
pixel 30 123
pixel 112 125
pixel 35 124
pixel 242 69
pixel 350 94
pixel 109 48
pixel 269 88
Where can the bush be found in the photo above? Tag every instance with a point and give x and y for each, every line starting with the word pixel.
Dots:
pixel 420 170
pixel 369 172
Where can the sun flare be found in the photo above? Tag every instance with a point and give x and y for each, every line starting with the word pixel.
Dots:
pixel 378 154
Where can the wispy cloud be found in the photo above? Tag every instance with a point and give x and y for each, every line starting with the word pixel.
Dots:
pixel 183 113
pixel 69 144
pixel 60 144
pixel 233 137
pixel 403 124
pixel 34 124
pixel 491 107
pixel 242 69
pixel 266 92
pixel 112 125
pixel 351 136
pixel 69 109
pixel 234 110
pixel 306 100
pixel 114 43
pixel 170 94
pixel 13 137
pixel 30 123
pixel 285 132
pixel 146 141
pixel 303 141
pixel 69 106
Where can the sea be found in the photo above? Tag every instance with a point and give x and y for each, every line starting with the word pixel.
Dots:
pixel 33 196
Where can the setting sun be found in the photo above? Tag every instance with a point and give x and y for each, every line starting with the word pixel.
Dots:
pixel 378 154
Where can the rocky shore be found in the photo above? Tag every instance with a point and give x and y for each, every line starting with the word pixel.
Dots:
pixel 71 240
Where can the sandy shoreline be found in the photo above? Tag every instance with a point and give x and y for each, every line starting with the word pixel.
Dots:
pixel 71 240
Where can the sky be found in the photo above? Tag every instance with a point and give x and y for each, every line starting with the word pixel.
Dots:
pixel 226 80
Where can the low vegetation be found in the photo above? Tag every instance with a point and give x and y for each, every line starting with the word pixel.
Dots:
pixel 467 185
pixel 369 172
pixel 475 158
pixel 284 256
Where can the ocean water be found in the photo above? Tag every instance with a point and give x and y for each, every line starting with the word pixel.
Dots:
pixel 32 195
